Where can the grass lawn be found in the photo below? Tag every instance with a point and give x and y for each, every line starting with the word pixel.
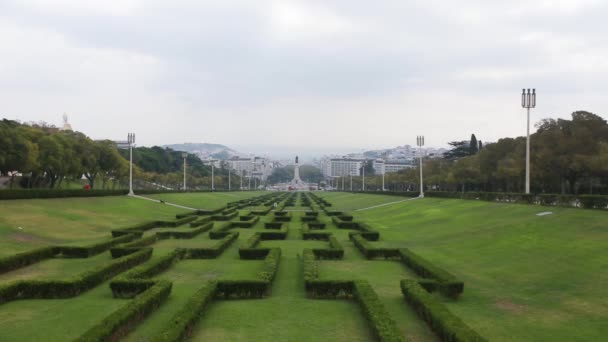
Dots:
pixel 206 200
pixel 526 277
pixel 71 220
pixel 56 319
pixel 349 201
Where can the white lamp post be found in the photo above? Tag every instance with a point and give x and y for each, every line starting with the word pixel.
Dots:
pixel 229 177
pixel 363 172
pixel 420 143
pixel 528 100
pixel 184 155
pixel 131 140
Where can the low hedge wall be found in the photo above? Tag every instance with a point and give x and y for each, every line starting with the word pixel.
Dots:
pixel 200 221
pixel 372 252
pixel 335 250
pixel 132 247
pixel 212 252
pixel 273 225
pixel 344 224
pixel 120 322
pixel 27 258
pixel 271 265
pixel 180 326
pixel 246 221
pixel 449 285
pixel 12 194
pixel 90 250
pixel 242 289
pixel 447 326
pixel 382 324
pixel 274 234
pixel 189 234
pixel 28 289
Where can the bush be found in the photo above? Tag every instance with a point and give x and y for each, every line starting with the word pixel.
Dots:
pixel 242 289
pixel 28 289
pixel 132 247
pixel 271 264
pixel 120 322
pixel 213 252
pixel 23 259
pixel 185 234
pixel 371 252
pixel 90 250
pixel 336 251
pixel 12 194
pixel 447 326
pixel 180 326
pixel 381 322
pixel 273 225
pixel 200 221
pixel 448 284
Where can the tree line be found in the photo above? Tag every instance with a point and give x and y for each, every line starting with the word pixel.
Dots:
pixel 567 156
pixel 47 157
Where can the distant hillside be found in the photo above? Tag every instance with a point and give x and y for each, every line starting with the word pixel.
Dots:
pixel 205 150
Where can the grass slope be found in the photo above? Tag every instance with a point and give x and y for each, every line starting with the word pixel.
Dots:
pixel 71 220
pixel 526 277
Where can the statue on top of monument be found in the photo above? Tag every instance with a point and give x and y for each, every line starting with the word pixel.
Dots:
pixel 296 159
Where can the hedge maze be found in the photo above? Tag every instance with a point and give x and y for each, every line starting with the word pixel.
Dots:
pixel 149 263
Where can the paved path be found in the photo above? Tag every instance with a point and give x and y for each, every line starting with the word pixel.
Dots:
pixel 163 202
pixel 385 204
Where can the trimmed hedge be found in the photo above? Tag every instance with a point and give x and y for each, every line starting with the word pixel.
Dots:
pixel 28 289
pixel 372 252
pixel 132 247
pixel 271 265
pixel 213 252
pixel 12 194
pixel 449 285
pixel 90 250
pixel 335 250
pixel 27 258
pixel 180 326
pixel 246 221
pixel 185 234
pixel 340 223
pixel 445 324
pixel 381 322
pixel 200 221
pixel 119 323
pixel 242 289
pixel 220 230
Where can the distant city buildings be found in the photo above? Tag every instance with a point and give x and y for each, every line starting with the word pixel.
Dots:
pixel 257 167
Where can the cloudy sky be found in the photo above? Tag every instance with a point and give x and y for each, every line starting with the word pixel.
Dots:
pixel 279 75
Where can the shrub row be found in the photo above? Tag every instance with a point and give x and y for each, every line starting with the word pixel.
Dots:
pixel 447 326
pixel 180 326
pixel 335 250
pixel 242 289
pixel 189 234
pixel 224 216
pixel 132 247
pixel 449 285
pixel 90 250
pixel 220 230
pixel 212 252
pixel 343 224
pixel 140 228
pixel 200 221
pixel 12 194
pixel 246 221
pixel 372 252
pixel 120 322
pixel 27 289
pixel 23 259
pixel 273 225
pixel 264 211
pixel 381 322
pixel 316 288
pixel 271 265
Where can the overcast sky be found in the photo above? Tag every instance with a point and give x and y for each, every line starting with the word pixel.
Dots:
pixel 302 75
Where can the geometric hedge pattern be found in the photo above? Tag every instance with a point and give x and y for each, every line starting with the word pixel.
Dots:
pixel 143 253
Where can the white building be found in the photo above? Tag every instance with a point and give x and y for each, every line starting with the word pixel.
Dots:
pixel 339 167
pixel 390 166
pixel 257 167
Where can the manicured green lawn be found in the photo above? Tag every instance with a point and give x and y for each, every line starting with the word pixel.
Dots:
pixel 526 277
pixel 206 200
pixel 71 220
pixel 349 201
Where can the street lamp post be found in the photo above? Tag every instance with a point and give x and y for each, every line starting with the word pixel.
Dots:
pixel 528 100
pixel 351 181
pixel 420 143
pixel 131 140
pixel 363 172
pixel 184 155
pixel 212 175
pixel 241 179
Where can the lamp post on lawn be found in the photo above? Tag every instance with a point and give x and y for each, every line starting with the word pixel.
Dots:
pixel 131 141
pixel 363 173
pixel 351 181
pixel 212 162
pixel 528 100
pixel 184 155
pixel 420 143
pixel 229 177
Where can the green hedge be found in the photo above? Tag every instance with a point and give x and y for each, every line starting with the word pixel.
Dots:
pixel 23 259
pixel 12 194
pixel 119 323
pixel 449 285
pixel 28 289
pixel 336 251
pixel 220 230
pixel 189 234
pixel 242 289
pixel 180 326
pixel 271 265
pixel 212 252
pixel 273 225
pixel 246 221
pixel 344 224
pixel 372 252
pixel 447 326
pixel 90 250
pixel 200 221
pixel 132 247
pixel 379 319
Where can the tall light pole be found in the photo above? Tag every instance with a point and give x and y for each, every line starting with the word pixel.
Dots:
pixel 351 181
pixel 229 177
pixel 241 179
pixel 131 140
pixel 420 143
pixel 363 172
pixel 212 176
pixel 383 172
pixel 528 100
pixel 184 155
pixel 342 183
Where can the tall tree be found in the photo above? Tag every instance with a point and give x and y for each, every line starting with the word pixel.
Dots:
pixel 473 146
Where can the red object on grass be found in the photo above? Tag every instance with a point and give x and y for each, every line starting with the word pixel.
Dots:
pixel 87 187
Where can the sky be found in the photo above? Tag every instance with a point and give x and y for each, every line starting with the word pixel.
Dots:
pixel 301 76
